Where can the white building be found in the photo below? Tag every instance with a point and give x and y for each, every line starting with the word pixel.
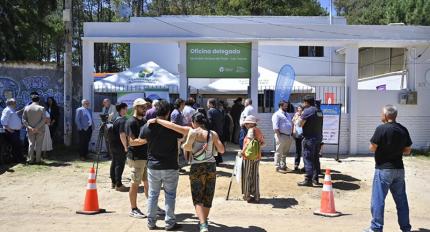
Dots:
pixel 338 56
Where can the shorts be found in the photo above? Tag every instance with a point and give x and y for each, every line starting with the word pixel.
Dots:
pixel 139 171
pixel 202 181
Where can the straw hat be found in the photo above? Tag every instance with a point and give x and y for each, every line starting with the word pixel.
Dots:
pixel 139 102
pixel 250 119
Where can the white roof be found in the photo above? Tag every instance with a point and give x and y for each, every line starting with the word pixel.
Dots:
pixel 265 29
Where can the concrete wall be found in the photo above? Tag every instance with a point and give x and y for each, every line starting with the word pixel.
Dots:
pixel 274 57
pixel 414 117
pixel 18 80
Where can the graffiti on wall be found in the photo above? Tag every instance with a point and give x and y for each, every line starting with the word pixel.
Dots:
pixel 21 89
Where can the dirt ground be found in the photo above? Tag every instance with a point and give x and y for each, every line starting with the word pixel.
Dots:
pixel 45 198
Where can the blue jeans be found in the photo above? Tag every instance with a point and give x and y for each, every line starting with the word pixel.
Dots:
pixel 311 158
pixel 169 180
pixel 242 135
pixel 393 180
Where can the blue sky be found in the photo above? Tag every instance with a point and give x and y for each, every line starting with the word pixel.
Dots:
pixel 326 4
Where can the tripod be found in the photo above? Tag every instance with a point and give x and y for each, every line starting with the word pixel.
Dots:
pixel 99 145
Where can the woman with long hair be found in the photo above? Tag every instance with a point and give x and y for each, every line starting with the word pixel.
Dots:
pixel 200 148
pixel 54 115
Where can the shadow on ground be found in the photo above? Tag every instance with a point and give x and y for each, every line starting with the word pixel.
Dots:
pixel 213 226
pixel 7 168
pixel 279 203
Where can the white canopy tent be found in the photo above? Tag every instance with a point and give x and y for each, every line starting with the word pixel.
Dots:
pixel 145 76
pixel 266 80
pixel 150 75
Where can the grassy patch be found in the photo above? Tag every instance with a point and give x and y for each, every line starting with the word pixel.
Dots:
pixel 421 153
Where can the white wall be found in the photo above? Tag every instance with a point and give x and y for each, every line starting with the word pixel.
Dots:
pixel 273 57
pixel 416 118
pixel 166 55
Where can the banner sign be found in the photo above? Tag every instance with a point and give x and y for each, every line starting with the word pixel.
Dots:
pixel 284 84
pixel 219 60
pixel 331 123
pixel 128 98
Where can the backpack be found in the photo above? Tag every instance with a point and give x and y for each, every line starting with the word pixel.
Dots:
pixel 252 149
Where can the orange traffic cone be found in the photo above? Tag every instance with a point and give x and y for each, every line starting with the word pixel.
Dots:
pixel 91 204
pixel 327 198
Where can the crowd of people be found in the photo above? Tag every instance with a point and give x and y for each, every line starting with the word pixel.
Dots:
pixel 159 139
pixel 40 123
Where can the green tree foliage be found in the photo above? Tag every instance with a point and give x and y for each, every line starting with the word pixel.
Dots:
pixel 33 30
pixel 411 12
pixel 26 32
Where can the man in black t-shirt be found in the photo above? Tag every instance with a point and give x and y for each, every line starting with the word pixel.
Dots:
pixel 118 147
pixel 389 142
pixel 162 167
pixel 137 154
pixel 312 122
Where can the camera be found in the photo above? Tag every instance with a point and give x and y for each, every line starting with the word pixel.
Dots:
pixel 104 118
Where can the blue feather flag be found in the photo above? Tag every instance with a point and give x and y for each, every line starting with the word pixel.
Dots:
pixel 284 84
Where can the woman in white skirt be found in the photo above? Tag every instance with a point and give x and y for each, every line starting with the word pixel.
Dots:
pixel 47 141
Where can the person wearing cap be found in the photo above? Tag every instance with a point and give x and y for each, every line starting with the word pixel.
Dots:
pixel 33 119
pixel 311 122
pixel 283 128
pixel 251 154
pixel 137 156
pixel 85 125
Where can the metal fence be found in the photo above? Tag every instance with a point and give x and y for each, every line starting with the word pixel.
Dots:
pixel 327 95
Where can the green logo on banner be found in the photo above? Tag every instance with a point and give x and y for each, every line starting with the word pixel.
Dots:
pixel 219 60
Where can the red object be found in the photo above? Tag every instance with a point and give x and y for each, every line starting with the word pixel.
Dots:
pixel 329 98
pixel 91 203
pixel 327 198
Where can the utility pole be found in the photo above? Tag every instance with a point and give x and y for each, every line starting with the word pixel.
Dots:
pixel 68 114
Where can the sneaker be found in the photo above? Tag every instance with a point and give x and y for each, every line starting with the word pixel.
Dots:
pixel 122 189
pixel 281 170
pixel 305 183
pixel 152 227
pixel 173 227
pixel 204 227
pixel 136 213
pixel 316 183
pixel 161 212
pixel 368 230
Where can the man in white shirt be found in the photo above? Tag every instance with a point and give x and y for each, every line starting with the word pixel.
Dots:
pixel 249 110
pixel 12 124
